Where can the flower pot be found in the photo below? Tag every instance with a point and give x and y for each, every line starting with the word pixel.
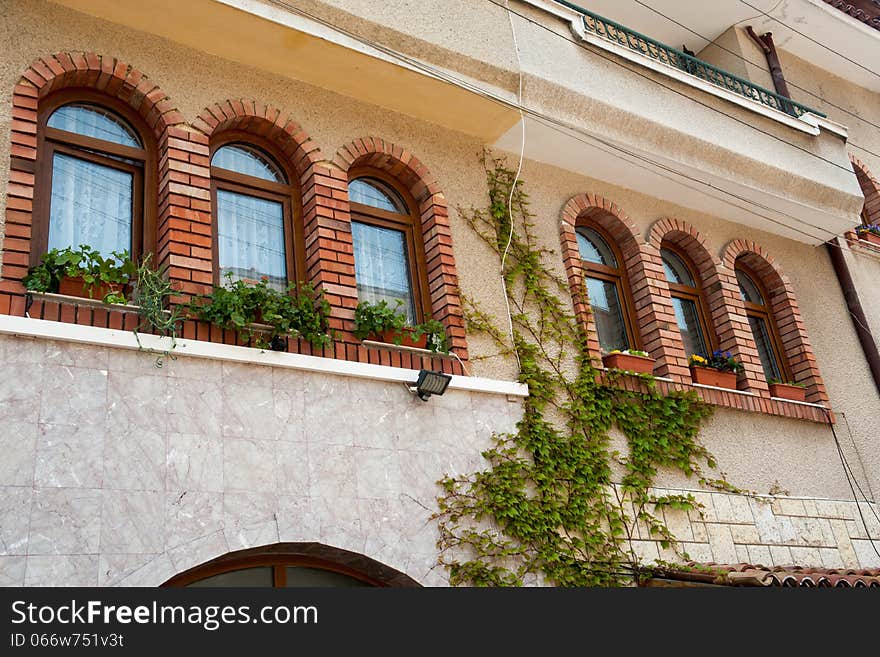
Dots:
pixel 404 336
pixel 75 286
pixel 785 391
pixel 629 362
pixel 873 238
pixel 711 377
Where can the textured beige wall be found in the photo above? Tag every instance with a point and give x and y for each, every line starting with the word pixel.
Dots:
pixel 757 451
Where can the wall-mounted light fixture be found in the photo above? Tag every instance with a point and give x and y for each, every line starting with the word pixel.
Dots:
pixel 430 383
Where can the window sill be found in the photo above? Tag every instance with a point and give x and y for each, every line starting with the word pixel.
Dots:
pixel 396 347
pixel 84 301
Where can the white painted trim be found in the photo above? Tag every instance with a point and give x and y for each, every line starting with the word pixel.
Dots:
pixel 48 330
pixel 800 403
pixel 560 11
pixel 736 392
pixel 825 123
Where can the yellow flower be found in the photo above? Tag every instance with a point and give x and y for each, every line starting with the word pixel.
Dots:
pixel 697 359
pixel 614 351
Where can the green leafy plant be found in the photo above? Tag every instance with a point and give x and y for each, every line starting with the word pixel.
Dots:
pixel 630 352
pixel 774 381
pixel 292 313
pixel 375 318
pixel 151 292
pixel 85 262
pixel 380 317
pixel 555 501
pixel 722 361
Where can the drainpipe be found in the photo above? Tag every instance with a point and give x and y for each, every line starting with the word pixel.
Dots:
pixel 854 305
pixel 765 43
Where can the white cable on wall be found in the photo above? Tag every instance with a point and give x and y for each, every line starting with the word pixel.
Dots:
pixel 522 150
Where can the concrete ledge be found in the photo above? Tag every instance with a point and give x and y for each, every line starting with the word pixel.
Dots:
pixel 39 328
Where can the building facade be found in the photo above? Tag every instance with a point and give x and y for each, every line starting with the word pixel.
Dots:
pixel 338 142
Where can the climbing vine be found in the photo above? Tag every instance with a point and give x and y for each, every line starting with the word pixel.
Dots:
pixel 556 503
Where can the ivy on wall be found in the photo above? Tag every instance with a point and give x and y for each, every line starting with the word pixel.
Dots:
pixel 556 503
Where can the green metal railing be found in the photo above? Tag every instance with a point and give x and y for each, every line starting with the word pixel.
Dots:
pixel 616 33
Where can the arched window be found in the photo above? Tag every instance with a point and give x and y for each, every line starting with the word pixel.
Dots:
pixel 254 215
pixel 688 303
pixel 91 176
pixel 388 249
pixel 763 327
pixel 607 288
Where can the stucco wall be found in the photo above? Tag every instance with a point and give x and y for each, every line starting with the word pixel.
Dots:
pixel 754 451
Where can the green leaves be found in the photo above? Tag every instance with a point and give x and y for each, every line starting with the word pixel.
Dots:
pixel 373 319
pixel 546 505
pixel 292 313
pixel 85 262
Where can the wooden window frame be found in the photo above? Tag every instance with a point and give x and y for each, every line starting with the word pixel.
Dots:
pixel 278 563
pixel 409 223
pixel 287 194
pixel 695 294
pixel 54 140
pixel 765 313
pixel 618 276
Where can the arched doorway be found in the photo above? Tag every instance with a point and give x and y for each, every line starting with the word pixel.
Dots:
pixel 288 565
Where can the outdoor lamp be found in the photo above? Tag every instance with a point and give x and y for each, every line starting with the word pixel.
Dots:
pixel 431 383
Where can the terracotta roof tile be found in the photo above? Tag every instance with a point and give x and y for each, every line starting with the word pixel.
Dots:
pixel 745 574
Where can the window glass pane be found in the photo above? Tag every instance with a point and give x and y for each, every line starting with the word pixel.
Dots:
pixel 247 161
pixel 304 576
pixel 595 249
pixel 375 194
pixel 608 314
pixel 381 267
pixel 94 121
pixel 259 577
pixel 748 290
pixel 91 204
pixel 765 347
pixel 676 270
pixel 689 325
pixel 251 238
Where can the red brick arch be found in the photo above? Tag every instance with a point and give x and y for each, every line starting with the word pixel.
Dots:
pixel 727 314
pixel 189 253
pixel 655 318
pixel 101 73
pixel 870 188
pixel 784 307
pixel 436 232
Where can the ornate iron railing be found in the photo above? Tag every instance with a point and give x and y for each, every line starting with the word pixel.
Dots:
pixel 616 33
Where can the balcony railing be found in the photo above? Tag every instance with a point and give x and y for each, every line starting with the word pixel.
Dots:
pixel 616 33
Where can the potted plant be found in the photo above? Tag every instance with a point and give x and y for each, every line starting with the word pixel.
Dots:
pixel 787 390
pixel 630 360
pixel 869 233
pixel 83 272
pixel 292 313
pixel 388 324
pixel 718 370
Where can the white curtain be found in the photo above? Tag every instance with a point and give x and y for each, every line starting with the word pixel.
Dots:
pixel 91 204
pixel 382 267
pixel 251 238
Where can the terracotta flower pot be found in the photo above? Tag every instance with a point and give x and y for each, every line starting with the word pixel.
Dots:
pixel 75 286
pixel 404 336
pixel 708 376
pixel 785 391
pixel 629 362
pixel 873 238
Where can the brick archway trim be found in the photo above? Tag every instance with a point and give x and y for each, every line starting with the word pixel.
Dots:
pixel 441 272
pixel 870 188
pixel 784 306
pixel 650 293
pixel 52 73
pixel 727 314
